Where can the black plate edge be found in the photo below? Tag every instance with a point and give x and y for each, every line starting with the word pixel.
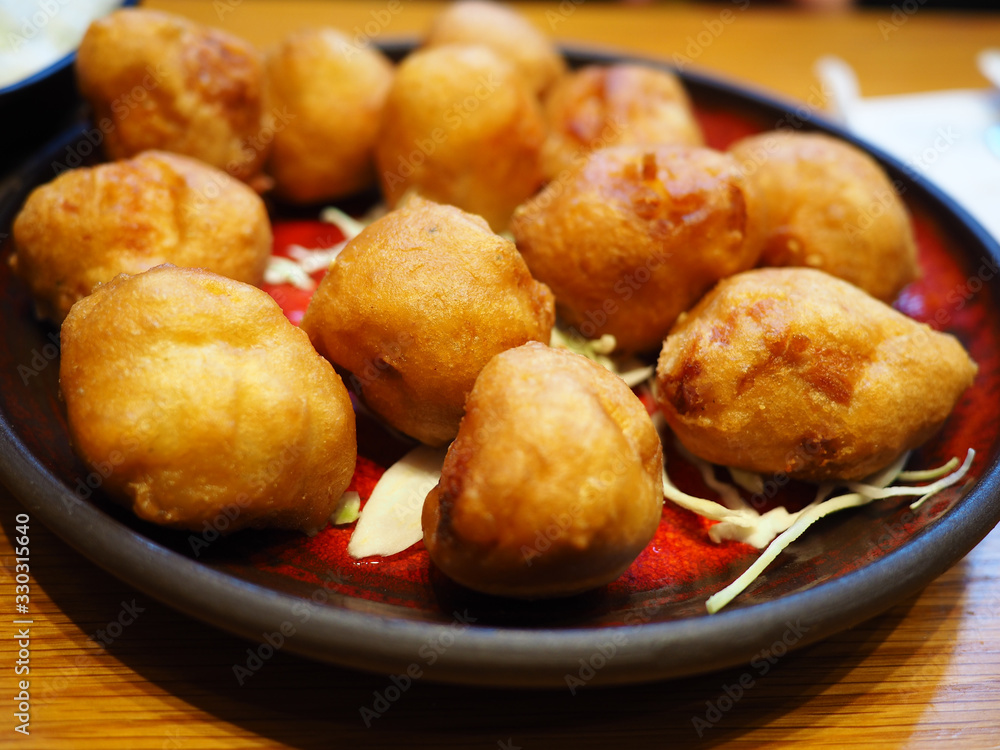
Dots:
pixel 510 656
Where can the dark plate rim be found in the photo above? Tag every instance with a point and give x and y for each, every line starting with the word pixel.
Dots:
pixel 511 656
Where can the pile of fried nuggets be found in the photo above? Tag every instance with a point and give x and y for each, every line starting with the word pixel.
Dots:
pixel 762 275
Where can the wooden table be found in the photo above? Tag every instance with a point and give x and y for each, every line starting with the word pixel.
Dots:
pixel 925 674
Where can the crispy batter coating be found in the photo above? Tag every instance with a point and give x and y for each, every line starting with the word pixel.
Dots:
pixel 608 105
pixel 553 485
pixel 90 224
pixel 416 305
pixel 635 235
pixel 794 371
pixel 203 405
pixel 830 206
pixel 461 127
pixel 506 32
pixel 163 82
pixel 333 93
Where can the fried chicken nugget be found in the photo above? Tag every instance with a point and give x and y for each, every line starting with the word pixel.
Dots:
pixel 416 305
pixel 90 224
pixel 794 371
pixel 830 206
pixel 208 406
pixel 160 81
pixel 635 235
pixel 333 93
pixel 507 33
pixel 610 105
pixel 461 127
pixel 553 485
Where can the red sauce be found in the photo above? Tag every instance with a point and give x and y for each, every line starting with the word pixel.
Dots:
pixel 681 561
pixel 311 235
pixel 680 553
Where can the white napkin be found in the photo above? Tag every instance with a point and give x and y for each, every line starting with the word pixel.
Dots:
pixel 951 138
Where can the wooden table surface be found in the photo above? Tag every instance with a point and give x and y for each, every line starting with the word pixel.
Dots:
pixel 925 674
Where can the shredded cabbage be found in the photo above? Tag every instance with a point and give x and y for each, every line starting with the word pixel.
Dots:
pixel 864 492
pixel 748 480
pixel 312 261
pixel 390 521
pixel 281 270
pixel 629 369
pixel 346 510
pixel 297 269
pixel 348 225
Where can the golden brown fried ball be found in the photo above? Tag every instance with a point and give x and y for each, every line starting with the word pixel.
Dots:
pixel 204 404
pixel 507 33
pixel 461 127
pixel 416 305
pixel 608 105
pixel 794 371
pixel 830 206
pixel 332 93
pixel 90 224
pixel 635 235
pixel 553 485
pixel 159 81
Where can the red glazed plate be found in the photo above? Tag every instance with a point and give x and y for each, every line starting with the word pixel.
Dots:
pixel 387 615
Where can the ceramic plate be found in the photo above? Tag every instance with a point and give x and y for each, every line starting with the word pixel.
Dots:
pixel 400 614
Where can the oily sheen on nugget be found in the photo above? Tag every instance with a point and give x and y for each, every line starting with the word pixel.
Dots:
pixel 90 224
pixel 416 305
pixel 611 105
pixel 206 403
pixel 159 81
pixel 635 235
pixel 790 370
pixel 553 485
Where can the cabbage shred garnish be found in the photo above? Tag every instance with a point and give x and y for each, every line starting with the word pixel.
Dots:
pixel 629 369
pixel 777 528
pixel 297 269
